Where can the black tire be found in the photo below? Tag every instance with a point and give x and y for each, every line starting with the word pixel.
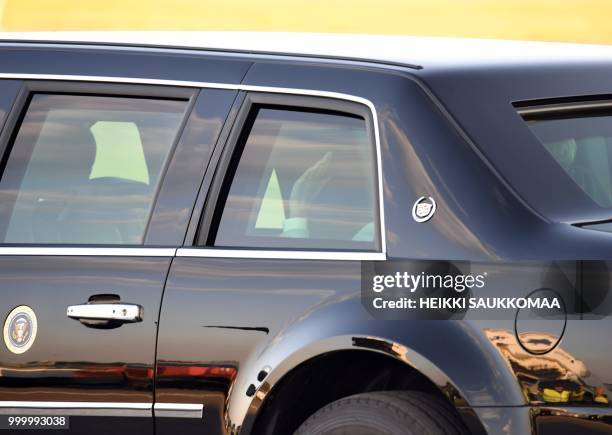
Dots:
pixel 385 413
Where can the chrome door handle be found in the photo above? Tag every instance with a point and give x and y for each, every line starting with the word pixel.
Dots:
pixel 123 313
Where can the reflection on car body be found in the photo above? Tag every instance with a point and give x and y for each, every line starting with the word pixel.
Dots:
pixel 188 217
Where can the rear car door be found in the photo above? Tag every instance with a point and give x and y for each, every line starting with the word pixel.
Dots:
pixel 292 210
pixel 80 278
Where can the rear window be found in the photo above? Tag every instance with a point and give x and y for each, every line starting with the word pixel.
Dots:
pixel 305 180
pixel 582 146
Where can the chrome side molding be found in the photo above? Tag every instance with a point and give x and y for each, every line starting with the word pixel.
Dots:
pixel 103 409
pixel 178 410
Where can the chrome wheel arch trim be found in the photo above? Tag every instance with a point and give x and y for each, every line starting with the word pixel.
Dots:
pixel 242 409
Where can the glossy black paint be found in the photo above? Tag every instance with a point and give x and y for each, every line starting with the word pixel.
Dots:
pixel 187 167
pixel 70 362
pixel 224 321
pixel 501 134
pixel 282 317
pixel 426 152
pixel 107 62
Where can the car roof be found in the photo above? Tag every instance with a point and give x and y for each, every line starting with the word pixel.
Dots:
pixel 411 51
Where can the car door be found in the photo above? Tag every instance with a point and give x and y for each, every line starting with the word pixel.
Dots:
pixel 291 212
pixel 81 277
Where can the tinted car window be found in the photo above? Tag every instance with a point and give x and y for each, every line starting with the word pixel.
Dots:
pixel 582 146
pixel 304 180
pixel 84 169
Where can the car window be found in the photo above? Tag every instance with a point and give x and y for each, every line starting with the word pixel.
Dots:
pixel 582 146
pixel 84 169
pixel 304 180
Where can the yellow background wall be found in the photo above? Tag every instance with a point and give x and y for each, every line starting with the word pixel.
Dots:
pixel 550 20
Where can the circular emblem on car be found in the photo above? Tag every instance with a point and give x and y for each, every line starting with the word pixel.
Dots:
pixel 20 329
pixel 423 209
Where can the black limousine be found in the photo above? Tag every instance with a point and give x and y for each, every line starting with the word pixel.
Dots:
pixel 186 221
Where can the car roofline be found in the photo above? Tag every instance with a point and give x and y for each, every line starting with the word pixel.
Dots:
pixel 270 55
pixel 410 52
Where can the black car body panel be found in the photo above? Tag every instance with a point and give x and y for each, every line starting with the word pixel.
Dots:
pixel 75 363
pixel 230 340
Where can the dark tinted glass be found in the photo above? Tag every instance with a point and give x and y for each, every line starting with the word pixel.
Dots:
pixel 304 180
pixel 84 169
pixel 582 146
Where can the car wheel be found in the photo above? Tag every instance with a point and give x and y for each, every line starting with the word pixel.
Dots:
pixel 388 413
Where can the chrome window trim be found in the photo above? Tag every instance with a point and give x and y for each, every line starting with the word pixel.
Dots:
pixel 563 108
pixel 236 253
pixel 86 251
pixel 280 255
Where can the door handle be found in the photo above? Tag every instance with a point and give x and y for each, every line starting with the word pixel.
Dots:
pixel 116 313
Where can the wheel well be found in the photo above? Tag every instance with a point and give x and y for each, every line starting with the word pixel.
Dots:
pixel 329 377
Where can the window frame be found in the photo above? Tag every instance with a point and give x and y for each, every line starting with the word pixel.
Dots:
pixel 559 108
pixel 229 158
pixel 29 88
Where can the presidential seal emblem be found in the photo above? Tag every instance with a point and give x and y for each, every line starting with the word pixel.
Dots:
pixel 20 329
pixel 423 209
